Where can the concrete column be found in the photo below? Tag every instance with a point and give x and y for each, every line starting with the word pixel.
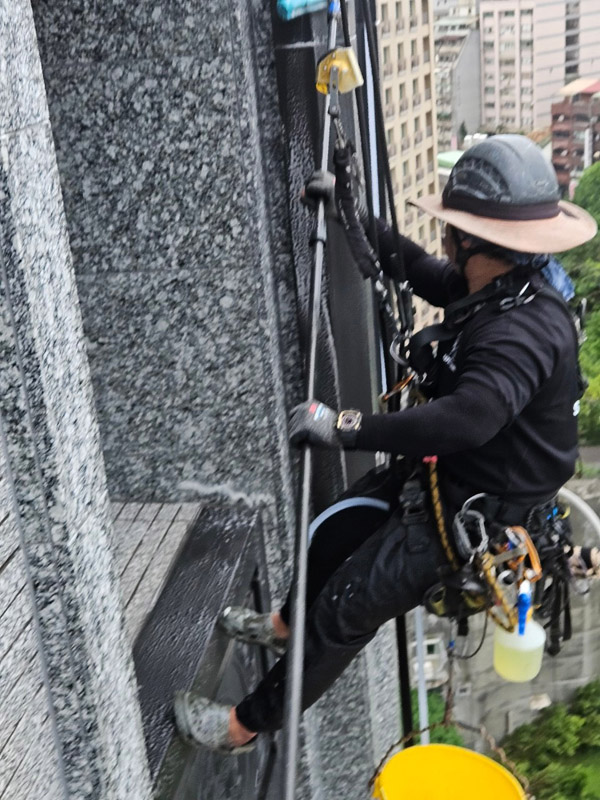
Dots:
pixel 80 710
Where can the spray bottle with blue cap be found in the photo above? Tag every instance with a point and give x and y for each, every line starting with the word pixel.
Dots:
pixel 518 655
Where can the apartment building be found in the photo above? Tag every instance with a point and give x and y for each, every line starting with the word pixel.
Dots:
pixel 444 8
pixel 407 84
pixel 457 74
pixel 576 131
pixel 529 50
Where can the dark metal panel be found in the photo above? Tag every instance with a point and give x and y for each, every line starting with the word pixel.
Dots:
pixel 180 648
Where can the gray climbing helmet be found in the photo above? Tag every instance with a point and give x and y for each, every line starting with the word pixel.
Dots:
pixel 504 177
pixel 504 191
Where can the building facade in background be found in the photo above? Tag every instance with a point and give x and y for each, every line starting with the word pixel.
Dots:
pixel 457 74
pixel 576 131
pixel 529 50
pixel 407 83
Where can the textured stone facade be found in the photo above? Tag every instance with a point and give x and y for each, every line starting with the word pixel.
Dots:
pixel 73 727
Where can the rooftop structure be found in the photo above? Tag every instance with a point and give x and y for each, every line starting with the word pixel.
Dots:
pixel 576 131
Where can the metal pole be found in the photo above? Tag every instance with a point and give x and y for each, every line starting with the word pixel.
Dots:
pixel 421 681
pixel 295 655
pixel 404 678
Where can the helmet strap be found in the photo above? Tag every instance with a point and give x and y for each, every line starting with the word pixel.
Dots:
pixel 463 254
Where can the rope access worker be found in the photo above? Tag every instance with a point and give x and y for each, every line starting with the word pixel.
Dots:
pixel 504 393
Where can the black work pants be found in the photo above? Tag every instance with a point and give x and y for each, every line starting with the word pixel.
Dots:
pixel 385 575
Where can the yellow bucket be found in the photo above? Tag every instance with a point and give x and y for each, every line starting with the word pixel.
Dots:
pixel 444 772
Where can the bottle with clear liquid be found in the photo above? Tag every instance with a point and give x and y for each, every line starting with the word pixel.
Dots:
pixel 518 655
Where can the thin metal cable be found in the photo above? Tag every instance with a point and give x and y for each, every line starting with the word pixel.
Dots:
pixel 295 656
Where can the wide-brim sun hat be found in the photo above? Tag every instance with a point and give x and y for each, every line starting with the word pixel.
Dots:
pixel 504 191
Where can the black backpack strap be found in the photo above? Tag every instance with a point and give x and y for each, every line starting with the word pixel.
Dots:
pixel 420 352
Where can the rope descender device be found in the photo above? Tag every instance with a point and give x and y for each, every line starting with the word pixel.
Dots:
pixel 342 62
pixel 338 73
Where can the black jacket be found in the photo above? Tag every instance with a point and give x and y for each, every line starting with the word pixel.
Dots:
pixel 503 415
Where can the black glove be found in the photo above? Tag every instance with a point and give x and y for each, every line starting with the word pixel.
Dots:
pixel 315 423
pixel 320 186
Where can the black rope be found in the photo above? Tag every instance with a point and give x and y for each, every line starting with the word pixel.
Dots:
pixel 405 299
pixel 364 138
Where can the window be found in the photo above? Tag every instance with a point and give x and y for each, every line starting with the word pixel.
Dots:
pixel 388 96
pixel 398 10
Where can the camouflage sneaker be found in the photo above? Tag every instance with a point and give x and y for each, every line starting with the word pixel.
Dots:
pixel 202 722
pixel 246 625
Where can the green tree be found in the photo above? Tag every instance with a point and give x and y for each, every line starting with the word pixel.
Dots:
pixel 586 704
pixel 583 265
pixel 560 782
pixel 555 734
pixel 583 262
pixel 436 708
pixel 586 700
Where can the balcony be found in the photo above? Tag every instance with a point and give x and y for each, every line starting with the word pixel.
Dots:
pixel 403 105
pixel 414 62
pixel 413 22
pixel 562 128
pixel 401 66
pixel 390 110
pixel 430 167
pixel 399 25
pixel 392 149
pixel 427 94
pixel 386 28
pixel 425 16
pixel 419 175
pixel 407 182
pixel 429 131
pixel 405 143
pixel 388 70
pixel 409 218
pixel 418 137
pixel 416 100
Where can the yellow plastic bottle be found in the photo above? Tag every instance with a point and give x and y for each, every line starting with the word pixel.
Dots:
pixel 518 655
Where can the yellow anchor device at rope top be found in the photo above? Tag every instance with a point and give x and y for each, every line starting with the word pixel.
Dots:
pixel 349 76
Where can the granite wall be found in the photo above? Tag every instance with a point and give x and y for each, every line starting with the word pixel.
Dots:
pixel 184 130
pixel 70 721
